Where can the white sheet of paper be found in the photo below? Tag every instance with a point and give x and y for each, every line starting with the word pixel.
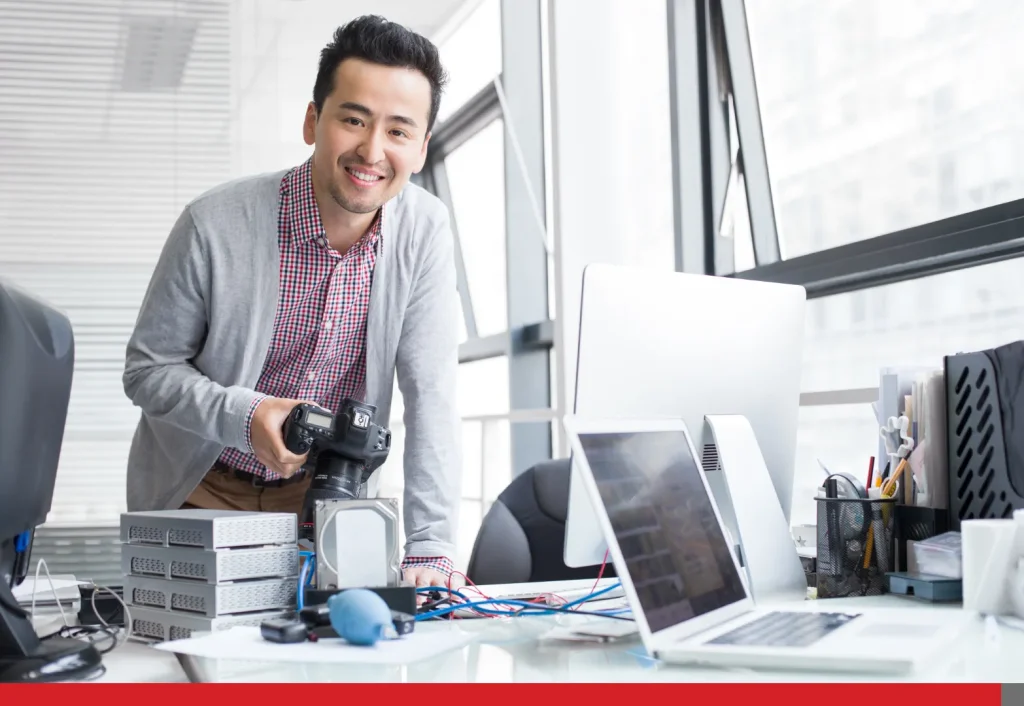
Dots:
pixel 43 591
pixel 247 641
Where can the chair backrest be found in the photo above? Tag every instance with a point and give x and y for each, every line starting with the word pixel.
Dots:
pixel 523 534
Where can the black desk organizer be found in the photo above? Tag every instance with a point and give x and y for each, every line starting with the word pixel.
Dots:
pixel 985 433
pixel 845 564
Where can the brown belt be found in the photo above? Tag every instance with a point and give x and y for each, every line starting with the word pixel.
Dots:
pixel 255 480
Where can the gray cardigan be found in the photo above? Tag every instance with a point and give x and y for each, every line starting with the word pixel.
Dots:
pixel 205 327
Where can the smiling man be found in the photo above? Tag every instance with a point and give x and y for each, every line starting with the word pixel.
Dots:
pixel 318 283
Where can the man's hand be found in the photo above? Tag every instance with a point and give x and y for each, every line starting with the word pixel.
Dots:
pixel 266 432
pixel 423 576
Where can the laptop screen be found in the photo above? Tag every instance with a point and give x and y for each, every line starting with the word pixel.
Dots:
pixel 675 551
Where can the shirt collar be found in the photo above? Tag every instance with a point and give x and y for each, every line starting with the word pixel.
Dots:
pixel 304 224
pixel 303 217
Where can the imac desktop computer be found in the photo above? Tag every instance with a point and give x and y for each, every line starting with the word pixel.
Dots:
pixel 37 354
pixel 673 345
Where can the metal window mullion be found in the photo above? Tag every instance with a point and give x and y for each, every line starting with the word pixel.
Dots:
pixel 719 93
pixel 476 114
pixel 436 178
pixel 526 254
pixel 690 113
pixel 981 237
pixel 753 161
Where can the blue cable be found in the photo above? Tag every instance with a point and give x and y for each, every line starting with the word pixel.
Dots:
pixel 529 609
pixel 534 609
pixel 300 600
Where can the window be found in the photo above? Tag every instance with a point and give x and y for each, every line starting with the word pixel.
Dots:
pixel 842 438
pixel 486 471
pixel 476 174
pixel 471 56
pixel 483 387
pixel 900 96
pixel 912 323
pixel 486 445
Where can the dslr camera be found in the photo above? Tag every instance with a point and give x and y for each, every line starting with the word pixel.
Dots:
pixel 344 450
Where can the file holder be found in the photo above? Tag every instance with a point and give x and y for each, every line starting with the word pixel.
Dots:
pixel 982 392
pixel 855 546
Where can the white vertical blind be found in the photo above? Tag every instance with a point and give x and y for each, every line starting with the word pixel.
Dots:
pixel 112 116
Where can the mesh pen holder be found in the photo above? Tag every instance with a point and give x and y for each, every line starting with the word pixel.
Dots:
pixel 855 546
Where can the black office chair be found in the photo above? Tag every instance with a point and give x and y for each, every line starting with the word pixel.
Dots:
pixel 522 535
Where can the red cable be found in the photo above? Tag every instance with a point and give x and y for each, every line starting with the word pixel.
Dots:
pixel 600 573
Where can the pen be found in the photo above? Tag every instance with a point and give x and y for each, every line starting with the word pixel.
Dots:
pixel 871 470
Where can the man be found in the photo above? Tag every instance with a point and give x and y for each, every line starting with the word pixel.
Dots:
pixel 314 284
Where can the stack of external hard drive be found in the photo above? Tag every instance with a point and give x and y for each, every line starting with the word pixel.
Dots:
pixel 206 570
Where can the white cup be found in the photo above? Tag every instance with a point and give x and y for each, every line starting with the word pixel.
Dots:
pixel 990 559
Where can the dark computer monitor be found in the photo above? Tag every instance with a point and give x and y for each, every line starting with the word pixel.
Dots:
pixel 37 356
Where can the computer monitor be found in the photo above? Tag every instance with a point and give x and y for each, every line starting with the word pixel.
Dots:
pixel 37 354
pixel 667 344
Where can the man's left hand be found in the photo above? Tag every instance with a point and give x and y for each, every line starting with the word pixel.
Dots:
pixel 425 576
pixel 421 576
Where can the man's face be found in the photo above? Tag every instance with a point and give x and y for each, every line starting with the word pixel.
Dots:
pixel 371 134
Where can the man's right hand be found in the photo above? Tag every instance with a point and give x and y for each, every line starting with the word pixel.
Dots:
pixel 267 435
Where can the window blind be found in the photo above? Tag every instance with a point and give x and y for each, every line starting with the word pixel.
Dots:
pixel 113 114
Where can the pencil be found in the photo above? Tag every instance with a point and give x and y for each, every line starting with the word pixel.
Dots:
pixel 890 485
pixel 871 471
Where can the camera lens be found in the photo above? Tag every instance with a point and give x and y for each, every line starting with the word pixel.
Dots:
pixel 337 477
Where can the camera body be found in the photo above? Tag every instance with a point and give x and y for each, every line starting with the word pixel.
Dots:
pixel 344 450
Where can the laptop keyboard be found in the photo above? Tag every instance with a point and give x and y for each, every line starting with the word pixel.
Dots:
pixel 784 629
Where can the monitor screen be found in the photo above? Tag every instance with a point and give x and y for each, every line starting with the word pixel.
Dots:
pixel 676 553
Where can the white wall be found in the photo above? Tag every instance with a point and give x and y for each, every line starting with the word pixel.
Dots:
pixel 611 149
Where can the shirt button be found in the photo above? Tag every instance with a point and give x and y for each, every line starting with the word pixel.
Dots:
pixel 327 324
pixel 311 376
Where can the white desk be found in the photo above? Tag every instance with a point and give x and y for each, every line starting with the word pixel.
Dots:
pixel 509 650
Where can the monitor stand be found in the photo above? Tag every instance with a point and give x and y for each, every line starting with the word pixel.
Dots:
pixel 750 507
pixel 24 657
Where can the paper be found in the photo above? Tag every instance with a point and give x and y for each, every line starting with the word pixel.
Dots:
pixel 247 643
pixel 23 592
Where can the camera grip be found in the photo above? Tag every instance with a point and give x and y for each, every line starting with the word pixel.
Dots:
pixel 297 439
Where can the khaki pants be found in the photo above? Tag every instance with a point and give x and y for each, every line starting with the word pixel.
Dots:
pixel 220 491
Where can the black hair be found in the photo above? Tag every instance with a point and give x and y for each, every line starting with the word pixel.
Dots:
pixel 374 39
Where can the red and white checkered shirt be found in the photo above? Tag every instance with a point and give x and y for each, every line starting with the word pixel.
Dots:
pixel 318 348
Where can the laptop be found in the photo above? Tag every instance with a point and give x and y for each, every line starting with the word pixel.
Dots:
pixel 684 584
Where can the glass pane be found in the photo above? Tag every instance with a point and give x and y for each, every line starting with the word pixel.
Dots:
pixel 843 438
pixel 470 518
pixel 472 460
pixel 879 116
pixel 915 323
pixel 497 457
pixel 476 174
pixel 471 56
pixel 483 387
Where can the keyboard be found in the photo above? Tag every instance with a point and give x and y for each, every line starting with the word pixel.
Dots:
pixel 784 629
